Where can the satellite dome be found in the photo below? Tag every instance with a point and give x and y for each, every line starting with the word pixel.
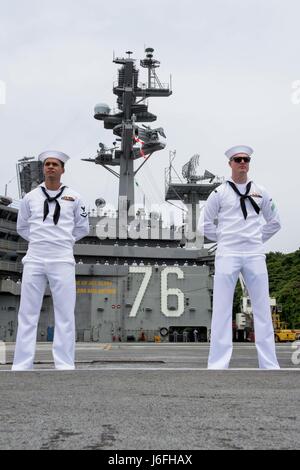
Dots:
pixel 102 108
pixel 100 202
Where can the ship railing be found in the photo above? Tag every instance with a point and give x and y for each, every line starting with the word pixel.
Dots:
pixel 8 245
pixel 144 86
pixel 171 179
pixel 177 180
pixel 160 86
pixel 9 266
pixel 22 246
pixel 8 224
pixel 14 287
pixel 11 286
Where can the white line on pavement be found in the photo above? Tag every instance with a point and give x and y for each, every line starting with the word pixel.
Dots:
pixel 177 369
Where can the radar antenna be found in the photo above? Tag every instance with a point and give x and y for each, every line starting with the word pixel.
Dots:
pixel 189 169
pixel 190 174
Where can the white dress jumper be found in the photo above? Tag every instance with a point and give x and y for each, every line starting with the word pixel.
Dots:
pixel 49 259
pixel 240 249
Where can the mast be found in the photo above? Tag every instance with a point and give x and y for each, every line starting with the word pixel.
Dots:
pixel 125 92
pixel 136 142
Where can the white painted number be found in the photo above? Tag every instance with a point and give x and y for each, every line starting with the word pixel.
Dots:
pixel 165 292
pixel 148 272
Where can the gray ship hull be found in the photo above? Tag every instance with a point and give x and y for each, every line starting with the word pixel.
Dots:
pixel 124 293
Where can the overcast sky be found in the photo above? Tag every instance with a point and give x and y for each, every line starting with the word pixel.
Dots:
pixel 233 63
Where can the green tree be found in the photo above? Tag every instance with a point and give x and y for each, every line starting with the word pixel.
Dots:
pixel 284 285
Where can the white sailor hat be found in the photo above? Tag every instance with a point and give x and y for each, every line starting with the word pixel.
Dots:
pixel 238 149
pixel 53 154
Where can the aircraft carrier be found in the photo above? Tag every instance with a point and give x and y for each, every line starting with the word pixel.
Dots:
pixel 138 279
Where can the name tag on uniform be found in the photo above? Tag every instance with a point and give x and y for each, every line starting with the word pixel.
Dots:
pixel 255 195
pixel 68 198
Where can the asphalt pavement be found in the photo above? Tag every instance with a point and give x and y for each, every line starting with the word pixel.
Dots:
pixel 150 396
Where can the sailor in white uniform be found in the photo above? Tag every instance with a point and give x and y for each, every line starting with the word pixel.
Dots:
pixel 51 218
pixel 246 218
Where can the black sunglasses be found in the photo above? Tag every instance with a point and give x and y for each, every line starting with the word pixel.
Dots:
pixel 241 159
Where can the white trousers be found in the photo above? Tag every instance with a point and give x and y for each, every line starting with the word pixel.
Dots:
pixel 61 277
pixel 254 270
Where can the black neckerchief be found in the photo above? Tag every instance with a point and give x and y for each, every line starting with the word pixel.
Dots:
pixel 51 199
pixel 243 198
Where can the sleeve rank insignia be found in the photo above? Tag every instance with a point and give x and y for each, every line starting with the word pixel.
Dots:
pixel 83 213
